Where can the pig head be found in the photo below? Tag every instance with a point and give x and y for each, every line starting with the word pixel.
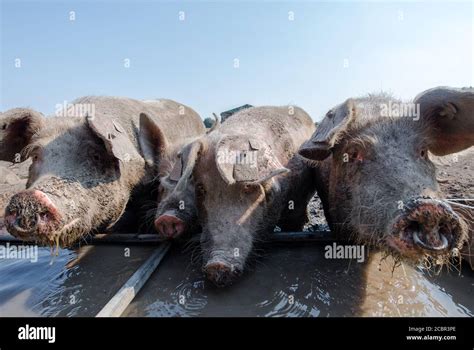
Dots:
pixel 375 177
pixel 176 214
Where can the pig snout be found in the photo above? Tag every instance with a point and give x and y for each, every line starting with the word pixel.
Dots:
pixel 169 225
pixel 221 273
pixel 32 215
pixel 427 226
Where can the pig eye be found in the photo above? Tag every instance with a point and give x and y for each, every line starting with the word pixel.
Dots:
pixel 424 154
pixel 355 155
pixel 94 155
pixel 34 155
pixel 4 127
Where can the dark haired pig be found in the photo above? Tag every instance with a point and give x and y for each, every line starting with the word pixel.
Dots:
pixel 176 213
pixel 374 175
pixel 246 177
pixel 87 164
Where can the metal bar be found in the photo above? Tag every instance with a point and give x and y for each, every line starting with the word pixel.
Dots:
pixel 119 302
pixel 133 238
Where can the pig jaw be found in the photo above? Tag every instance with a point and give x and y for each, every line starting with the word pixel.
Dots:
pixel 426 227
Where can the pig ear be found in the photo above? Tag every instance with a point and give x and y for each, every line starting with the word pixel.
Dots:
pixel 152 140
pixel 246 160
pixel 116 139
pixel 327 132
pixel 177 170
pixel 450 116
pixel 17 127
pixel 189 156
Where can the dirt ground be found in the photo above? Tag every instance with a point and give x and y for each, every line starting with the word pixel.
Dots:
pixel 456 177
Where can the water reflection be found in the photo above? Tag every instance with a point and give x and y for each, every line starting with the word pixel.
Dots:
pixel 301 282
pixel 294 281
pixel 74 283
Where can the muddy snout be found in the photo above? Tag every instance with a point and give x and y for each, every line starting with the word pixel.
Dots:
pixel 427 226
pixel 32 215
pixel 221 273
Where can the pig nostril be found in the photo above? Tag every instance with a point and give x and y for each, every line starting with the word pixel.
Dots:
pixel 43 217
pixel 19 225
pixel 414 226
pixel 219 273
pixel 420 243
pixel 421 235
pixel 169 225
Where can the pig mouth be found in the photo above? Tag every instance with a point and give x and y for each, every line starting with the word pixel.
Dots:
pixel 38 227
pixel 221 272
pixel 427 228
pixel 408 238
pixel 434 248
pixel 45 232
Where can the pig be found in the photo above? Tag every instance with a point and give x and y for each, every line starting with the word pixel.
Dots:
pixel 176 214
pixel 246 177
pixel 89 162
pixel 375 178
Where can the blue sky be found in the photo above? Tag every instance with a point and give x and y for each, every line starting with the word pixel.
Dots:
pixel 400 47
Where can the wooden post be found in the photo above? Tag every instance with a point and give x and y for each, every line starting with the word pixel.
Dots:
pixel 119 302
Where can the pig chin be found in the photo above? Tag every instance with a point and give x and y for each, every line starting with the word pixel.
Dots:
pixel 49 230
pixel 68 234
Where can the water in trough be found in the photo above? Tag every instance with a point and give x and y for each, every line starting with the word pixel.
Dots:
pixel 295 280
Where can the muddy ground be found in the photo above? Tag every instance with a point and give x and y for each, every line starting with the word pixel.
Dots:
pixel 456 178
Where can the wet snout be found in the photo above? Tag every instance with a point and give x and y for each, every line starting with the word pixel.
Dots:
pixel 32 215
pixel 221 273
pixel 169 225
pixel 427 226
